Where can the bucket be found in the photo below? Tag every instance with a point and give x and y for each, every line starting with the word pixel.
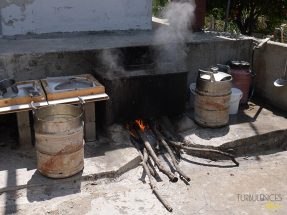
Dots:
pixel 59 138
pixel 192 88
pixel 236 95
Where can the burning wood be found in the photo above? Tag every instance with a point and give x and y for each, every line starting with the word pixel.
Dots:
pixel 140 124
pixel 167 137
pixel 157 161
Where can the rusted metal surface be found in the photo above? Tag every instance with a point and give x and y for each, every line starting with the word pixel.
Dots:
pixel 59 133
pixel 60 165
pixel 65 143
pixel 211 106
pixel 242 78
pixel 211 111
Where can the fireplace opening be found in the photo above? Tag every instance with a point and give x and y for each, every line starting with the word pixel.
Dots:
pixel 139 86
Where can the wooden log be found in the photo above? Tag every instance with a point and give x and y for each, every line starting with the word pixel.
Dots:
pixel 181 143
pixel 152 166
pixel 24 129
pixel 192 148
pixel 152 183
pixel 90 122
pixel 149 164
pixel 157 161
pixel 166 146
pixel 168 129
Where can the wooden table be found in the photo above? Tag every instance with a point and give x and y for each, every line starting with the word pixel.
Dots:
pixel 23 120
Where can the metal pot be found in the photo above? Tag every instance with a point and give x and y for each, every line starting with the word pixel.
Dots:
pixel 213 91
pixel 59 138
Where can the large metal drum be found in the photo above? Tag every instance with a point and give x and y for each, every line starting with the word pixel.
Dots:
pixel 212 97
pixel 59 138
pixel 242 78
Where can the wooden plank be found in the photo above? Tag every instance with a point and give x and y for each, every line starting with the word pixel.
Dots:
pixel 24 129
pixel 75 93
pixel 62 94
pixel 23 98
pixel 90 122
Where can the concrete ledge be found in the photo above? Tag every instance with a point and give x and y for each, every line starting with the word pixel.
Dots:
pixel 253 130
pixel 75 42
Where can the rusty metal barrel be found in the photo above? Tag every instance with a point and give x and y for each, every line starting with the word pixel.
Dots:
pixel 242 78
pixel 59 138
pixel 213 92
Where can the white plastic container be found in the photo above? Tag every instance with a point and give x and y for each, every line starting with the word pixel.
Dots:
pixel 234 101
pixel 192 88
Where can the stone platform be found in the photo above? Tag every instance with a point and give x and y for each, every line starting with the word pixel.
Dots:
pixel 255 128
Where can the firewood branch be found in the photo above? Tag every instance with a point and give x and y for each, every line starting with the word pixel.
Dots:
pixel 173 159
pixel 191 148
pixel 156 160
pixel 145 158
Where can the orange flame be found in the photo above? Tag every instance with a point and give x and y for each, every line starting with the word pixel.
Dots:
pixel 140 124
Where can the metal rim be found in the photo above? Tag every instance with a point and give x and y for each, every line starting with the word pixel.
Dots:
pixel 51 106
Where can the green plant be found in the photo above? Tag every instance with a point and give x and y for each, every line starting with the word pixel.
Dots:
pixel 158 6
pixel 250 15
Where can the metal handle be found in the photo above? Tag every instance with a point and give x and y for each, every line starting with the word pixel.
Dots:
pixel 224 68
pixel 82 103
pixel 211 74
pixel 262 43
pixel 33 108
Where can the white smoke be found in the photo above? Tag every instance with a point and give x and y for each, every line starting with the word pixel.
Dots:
pixel 172 39
pixel 111 60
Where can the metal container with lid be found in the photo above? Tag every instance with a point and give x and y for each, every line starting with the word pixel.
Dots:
pixel 242 77
pixel 213 91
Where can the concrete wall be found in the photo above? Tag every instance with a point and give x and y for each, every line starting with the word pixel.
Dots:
pixel 46 16
pixel 37 66
pixel 205 54
pixel 201 54
pixel 269 63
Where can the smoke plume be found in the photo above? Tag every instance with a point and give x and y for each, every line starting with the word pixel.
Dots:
pixel 172 39
pixel 111 60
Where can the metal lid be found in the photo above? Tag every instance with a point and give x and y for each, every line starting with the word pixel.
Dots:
pixel 214 75
pixel 239 64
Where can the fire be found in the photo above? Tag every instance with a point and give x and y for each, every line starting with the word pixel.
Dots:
pixel 140 124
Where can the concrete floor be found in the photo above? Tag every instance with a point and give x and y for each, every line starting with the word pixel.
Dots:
pixel 212 190
pixel 106 186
